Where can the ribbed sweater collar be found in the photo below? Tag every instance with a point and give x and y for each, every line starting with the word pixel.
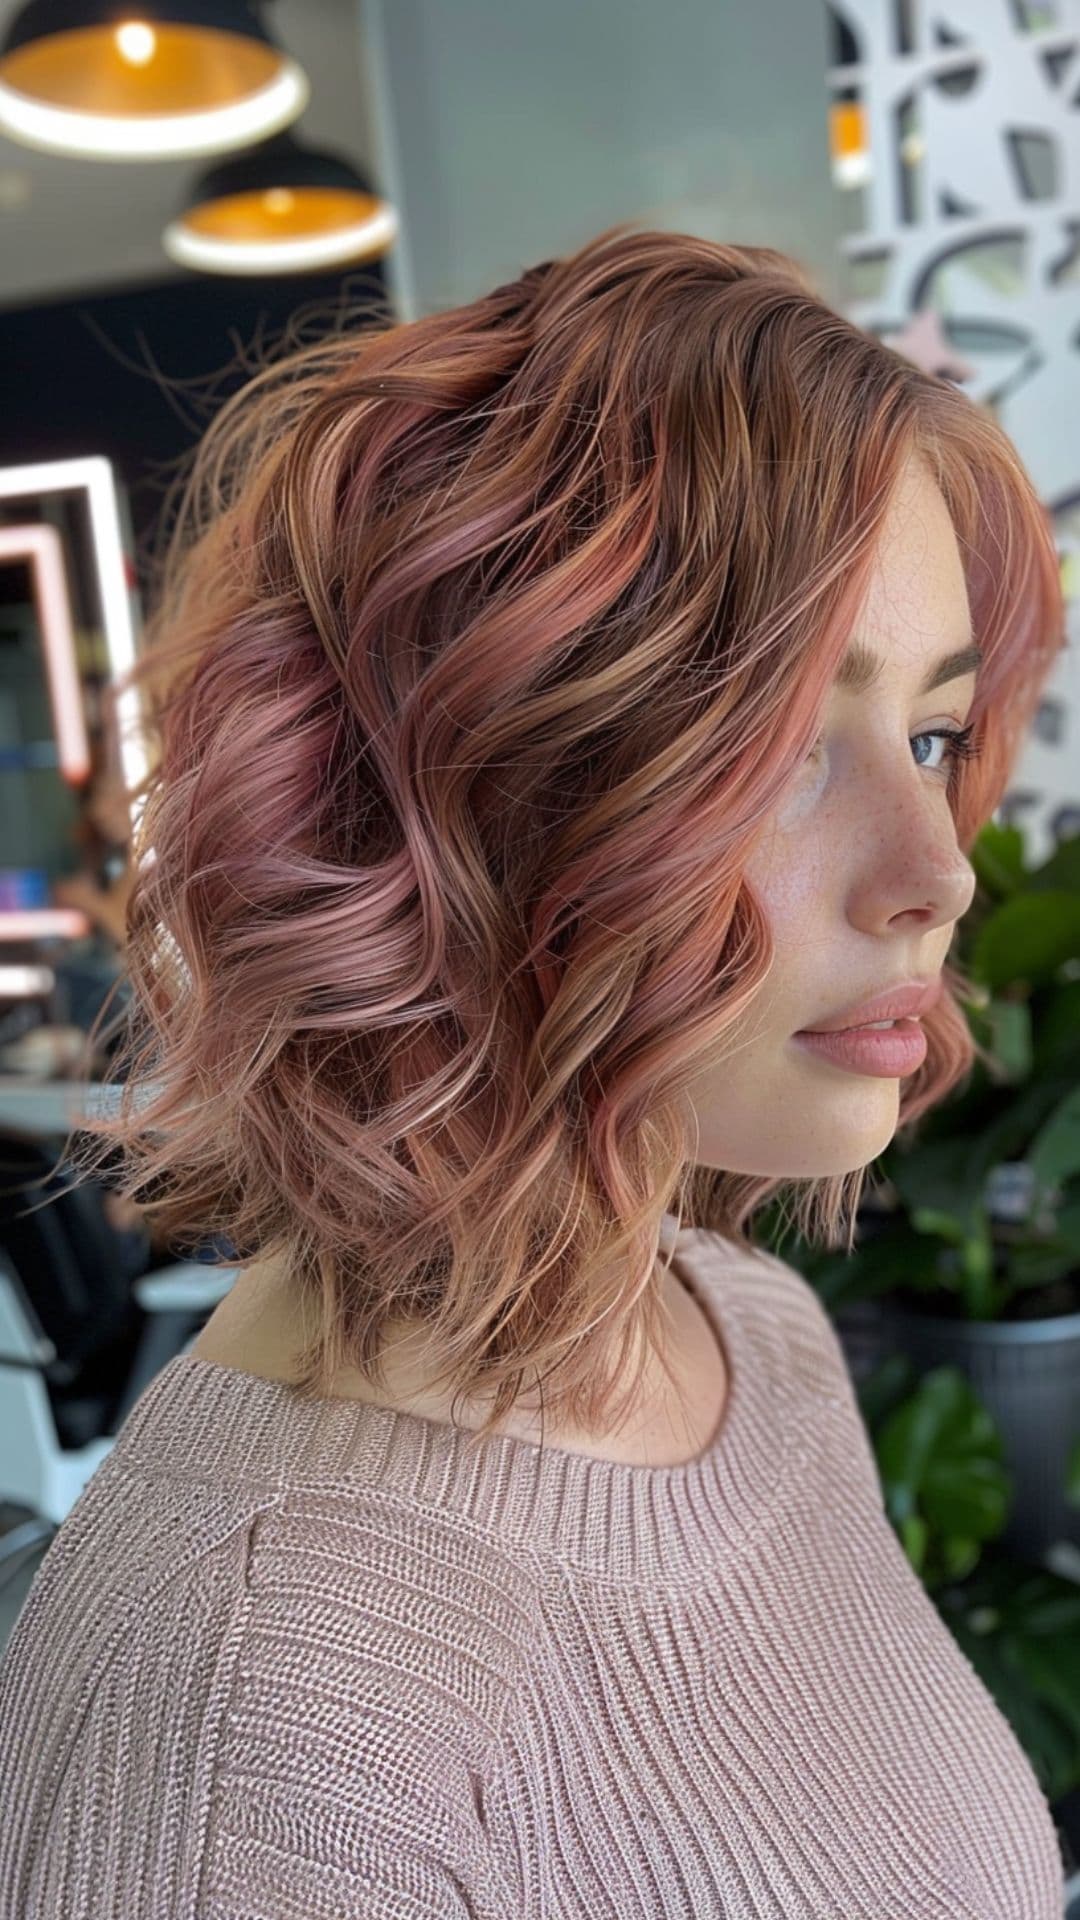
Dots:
pixel 660 1526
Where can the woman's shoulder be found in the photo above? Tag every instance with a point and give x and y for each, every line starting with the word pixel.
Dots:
pixel 786 1306
pixel 212 1644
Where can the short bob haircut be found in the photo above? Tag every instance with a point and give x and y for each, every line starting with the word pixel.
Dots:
pixel 485 644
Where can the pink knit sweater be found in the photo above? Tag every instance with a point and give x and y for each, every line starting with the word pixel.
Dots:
pixel 308 1662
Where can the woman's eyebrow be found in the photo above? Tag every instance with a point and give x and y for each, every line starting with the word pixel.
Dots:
pixel 861 667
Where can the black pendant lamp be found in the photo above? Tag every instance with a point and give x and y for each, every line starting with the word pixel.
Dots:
pixel 145 79
pixel 283 208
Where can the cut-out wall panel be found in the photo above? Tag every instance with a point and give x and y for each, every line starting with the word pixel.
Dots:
pixel 966 231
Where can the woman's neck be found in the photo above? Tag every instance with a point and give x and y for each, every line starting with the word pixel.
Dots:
pixel 258 1329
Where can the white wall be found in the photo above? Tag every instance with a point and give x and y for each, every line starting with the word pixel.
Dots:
pixel 512 130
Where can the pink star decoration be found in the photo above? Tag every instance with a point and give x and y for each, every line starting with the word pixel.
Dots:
pixel 923 342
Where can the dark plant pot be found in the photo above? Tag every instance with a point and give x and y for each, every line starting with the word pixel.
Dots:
pixel 1066 1812
pixel 1027 1375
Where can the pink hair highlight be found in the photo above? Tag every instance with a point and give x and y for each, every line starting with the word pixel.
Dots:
pixel 485 646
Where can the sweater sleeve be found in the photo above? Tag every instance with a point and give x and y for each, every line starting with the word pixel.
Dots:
pixel 176 1739
pixel 288 1879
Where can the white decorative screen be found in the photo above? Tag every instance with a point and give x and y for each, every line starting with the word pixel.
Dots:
pixel 956 144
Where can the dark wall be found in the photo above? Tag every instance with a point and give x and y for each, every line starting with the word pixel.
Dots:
pixel 137 374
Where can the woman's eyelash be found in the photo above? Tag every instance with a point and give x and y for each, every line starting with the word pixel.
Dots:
pixel 961 744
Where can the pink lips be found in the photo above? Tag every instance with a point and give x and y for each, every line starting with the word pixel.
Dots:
pixel 906 1001
pixel 887 1053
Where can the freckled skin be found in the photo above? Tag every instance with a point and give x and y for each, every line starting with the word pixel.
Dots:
pixel 858 873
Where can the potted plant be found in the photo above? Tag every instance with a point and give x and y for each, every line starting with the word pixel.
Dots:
pixel 948 1493
pixel 968 1254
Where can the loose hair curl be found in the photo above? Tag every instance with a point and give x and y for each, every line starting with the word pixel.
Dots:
pixel 484 646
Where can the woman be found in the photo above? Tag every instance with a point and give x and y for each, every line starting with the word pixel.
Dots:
pixel 563 704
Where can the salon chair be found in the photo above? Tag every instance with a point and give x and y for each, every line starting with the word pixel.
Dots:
pixel 84 1328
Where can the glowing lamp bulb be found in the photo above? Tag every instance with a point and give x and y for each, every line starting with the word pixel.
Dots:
pixel 136 42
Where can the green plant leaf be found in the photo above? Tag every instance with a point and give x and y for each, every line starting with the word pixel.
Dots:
pixel 914 1534
pixel 998 859
pixel 939 1456
pixel 947 1226
pixel 941 1176
pixel 1051 1667
pixel 896 1258
pixel 1027 938
pixel 1055 1151
pixel 1056 1026
pixel 959 1555
pixel 881 1390
pixel 1006 1034
pixel 1036 1262
pixel 1060 871
pixel 1020 1628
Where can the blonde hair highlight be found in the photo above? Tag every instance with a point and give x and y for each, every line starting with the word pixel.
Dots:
pixel 484 646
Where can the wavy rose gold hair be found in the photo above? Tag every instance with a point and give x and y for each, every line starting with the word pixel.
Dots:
pixel 485 644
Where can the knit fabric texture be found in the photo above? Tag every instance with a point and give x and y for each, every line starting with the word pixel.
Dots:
pixel 289 1661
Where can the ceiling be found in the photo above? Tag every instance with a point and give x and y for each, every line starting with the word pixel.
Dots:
pixel 69 225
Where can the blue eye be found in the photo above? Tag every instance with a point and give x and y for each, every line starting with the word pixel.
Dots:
pixel 960 745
